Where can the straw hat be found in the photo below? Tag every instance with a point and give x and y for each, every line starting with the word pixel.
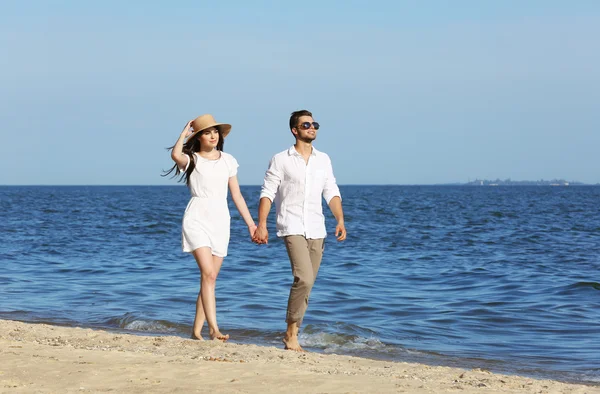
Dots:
pixel 203 122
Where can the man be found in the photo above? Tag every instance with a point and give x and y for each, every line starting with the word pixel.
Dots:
pixel 296 180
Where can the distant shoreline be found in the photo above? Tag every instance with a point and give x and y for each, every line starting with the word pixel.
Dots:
pixel 509 182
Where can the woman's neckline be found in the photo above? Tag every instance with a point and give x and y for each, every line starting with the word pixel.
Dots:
pixel 207 159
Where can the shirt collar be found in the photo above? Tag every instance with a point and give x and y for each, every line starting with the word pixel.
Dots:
pixel 292 151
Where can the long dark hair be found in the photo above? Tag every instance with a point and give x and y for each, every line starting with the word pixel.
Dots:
pixel 189 148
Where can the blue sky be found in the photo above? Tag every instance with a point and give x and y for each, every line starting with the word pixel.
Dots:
pixel 407 92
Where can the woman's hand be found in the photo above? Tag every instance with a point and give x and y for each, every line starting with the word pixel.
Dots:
pixel 187 130
pixel 252 230
pixel 177 154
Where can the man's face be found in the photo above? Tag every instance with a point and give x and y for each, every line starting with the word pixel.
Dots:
pixel 302 132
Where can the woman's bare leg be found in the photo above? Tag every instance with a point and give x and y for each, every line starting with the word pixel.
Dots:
pixel 209 268
pixel 200 318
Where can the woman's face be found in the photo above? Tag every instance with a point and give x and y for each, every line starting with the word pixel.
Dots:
pixel 209 138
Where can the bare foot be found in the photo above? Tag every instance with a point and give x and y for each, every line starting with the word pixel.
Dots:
pixel 197 337
pixel 219 337
pixel 291 343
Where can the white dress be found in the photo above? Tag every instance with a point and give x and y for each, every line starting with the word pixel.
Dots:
pixel 206 219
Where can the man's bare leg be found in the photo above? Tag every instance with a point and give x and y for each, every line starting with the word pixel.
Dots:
pixel 291 338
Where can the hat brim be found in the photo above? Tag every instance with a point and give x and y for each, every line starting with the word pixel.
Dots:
pixel 224 128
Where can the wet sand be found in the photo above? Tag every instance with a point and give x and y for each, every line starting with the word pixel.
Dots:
pixel 39 358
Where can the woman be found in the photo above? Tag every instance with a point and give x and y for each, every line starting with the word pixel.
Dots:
pixel 208 171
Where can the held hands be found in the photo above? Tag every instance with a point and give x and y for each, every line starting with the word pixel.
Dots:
pixel 261 235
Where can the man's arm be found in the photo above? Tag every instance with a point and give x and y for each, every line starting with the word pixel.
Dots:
pixel 331 193
pixel 330 188
pixel 335 204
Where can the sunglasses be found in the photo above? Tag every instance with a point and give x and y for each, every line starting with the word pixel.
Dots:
pixel 306 125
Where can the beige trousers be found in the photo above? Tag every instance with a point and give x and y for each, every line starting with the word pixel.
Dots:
pixel 305 258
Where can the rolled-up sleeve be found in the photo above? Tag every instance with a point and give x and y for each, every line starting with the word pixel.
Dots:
pixel 272 180
pixel 331 188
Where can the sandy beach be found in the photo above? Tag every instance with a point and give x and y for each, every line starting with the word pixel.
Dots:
pixel 39 358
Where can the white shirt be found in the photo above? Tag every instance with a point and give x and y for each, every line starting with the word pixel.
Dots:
pixel 297 189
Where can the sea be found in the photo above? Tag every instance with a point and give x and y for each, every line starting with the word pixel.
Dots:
pixel 503 278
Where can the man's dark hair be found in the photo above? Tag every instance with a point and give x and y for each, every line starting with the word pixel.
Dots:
pixel 296 115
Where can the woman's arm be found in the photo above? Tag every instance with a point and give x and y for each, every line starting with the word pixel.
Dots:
pixel 240 203
pixel 177 154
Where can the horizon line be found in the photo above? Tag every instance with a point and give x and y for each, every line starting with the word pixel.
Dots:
pixel 575 183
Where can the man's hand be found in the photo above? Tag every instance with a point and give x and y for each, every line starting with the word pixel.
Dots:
pixel 335 204
pixel 261 235
pixel 340 231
